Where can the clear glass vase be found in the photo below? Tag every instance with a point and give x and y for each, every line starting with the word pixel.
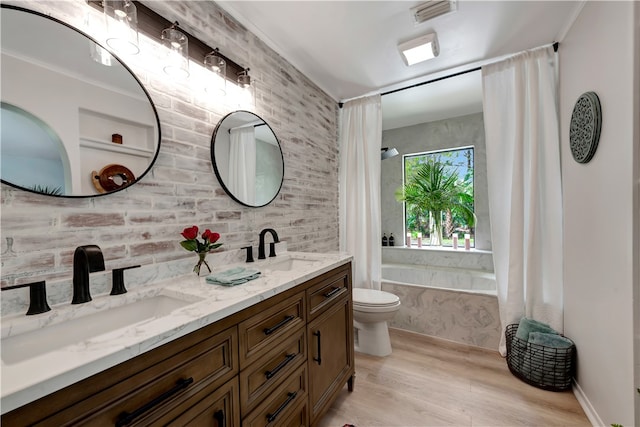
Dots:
pixel 201 260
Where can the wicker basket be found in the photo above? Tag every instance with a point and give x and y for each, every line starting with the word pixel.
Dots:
pixel 543 367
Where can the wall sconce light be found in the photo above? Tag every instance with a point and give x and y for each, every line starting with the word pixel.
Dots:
pixel 216 84
pixel 121 19
pixel 177 43
pixel 420 49
pixel 244 79
pixel 181 46
pixel 245 95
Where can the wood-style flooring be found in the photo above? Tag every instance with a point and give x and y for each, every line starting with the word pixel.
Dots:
pixel 432 382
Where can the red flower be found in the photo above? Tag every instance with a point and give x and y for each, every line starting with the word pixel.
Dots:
pixel 210 237
pixel 191 242
pixel 190 233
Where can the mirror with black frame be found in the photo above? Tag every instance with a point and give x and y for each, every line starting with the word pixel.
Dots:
pixel 71 125
pixel 247 159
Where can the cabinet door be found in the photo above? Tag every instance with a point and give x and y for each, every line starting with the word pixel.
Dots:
pixel 330 338
pixel 217 409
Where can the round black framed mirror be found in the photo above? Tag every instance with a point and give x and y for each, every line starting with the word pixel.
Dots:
pixel 247 159
pixel 68 121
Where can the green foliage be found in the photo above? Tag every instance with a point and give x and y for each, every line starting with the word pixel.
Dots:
pixel 433 188
pixel 44 189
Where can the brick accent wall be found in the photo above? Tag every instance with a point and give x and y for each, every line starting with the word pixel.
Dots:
pixel 141 224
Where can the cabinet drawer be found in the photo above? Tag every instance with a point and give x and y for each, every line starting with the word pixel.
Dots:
pixel 330 288
pixel 167 384
pixel 259 379
pixel 215 407
pixel 282 405
pixel 299 417
pixel 263 330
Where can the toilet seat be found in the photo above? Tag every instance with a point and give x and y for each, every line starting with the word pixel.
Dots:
pixel 373 300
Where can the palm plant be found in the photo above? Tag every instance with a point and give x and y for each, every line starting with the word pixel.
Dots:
pixel 436 189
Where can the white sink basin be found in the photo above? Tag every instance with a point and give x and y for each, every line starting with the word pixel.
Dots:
pixel 288 263
pixel 42 340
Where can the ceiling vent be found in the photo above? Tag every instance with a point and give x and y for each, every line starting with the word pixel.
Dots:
pixel 432 8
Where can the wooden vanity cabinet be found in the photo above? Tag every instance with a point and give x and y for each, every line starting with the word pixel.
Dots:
pixel 330 339
pixel 280 362
pixel 175 376
pixel 218 407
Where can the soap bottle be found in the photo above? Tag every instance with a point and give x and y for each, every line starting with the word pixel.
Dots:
pixel 384 239
pixel 391 240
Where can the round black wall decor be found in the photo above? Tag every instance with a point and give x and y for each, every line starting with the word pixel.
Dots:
pixel 584 132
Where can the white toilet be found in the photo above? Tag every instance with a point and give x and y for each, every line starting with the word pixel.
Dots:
pixel 371 311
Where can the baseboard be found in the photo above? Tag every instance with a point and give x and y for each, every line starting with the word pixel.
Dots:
pixel 588 409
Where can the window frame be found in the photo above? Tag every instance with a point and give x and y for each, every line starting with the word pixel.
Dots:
pixel 404 204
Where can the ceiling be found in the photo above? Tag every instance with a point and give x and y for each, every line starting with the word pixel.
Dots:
pixel 349 48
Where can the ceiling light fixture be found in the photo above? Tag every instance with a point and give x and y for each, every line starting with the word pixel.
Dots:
pixel 121 18
pixel 177 44
pixel 420 49
pixel 431 9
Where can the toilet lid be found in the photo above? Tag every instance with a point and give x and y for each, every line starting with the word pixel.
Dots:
pixel 371 297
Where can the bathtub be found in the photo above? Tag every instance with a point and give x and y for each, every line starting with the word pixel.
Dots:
pixel 440 277
pixel 456 303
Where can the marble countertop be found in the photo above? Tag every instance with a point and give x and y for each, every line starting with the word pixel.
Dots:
pixel 27 379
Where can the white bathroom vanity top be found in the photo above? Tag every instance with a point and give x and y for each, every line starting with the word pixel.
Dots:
pixel 30 374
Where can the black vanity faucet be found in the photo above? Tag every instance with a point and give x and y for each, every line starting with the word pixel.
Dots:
pixel 86 259
pixel 249 250
pixel 117 281
pixel 37 297
pixel 272 247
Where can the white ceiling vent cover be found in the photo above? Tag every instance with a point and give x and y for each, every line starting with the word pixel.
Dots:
pixel 432 8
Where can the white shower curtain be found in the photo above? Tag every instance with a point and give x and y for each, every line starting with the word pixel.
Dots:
pixel 242 164
pixel 360 143
pixel 525 199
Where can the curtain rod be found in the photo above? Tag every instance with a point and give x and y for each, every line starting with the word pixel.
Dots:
pixel 431 81
pixel 340 104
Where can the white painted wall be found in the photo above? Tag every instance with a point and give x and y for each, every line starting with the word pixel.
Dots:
pixel 58 100
pixel 598 55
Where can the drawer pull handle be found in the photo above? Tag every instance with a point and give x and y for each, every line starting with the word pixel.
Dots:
pixel 269 331
pixel 272 417
pixel 332 292
pixel 287 359
pixel 126 417
pixel 220 418
pixel 319 359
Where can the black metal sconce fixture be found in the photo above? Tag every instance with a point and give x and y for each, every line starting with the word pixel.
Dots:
pixel 152 25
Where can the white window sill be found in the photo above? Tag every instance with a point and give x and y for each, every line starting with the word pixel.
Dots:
pixel 460 250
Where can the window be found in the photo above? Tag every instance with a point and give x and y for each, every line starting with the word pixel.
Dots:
pixel 438 196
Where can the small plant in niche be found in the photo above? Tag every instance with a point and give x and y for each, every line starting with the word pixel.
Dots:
pixel 202 248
